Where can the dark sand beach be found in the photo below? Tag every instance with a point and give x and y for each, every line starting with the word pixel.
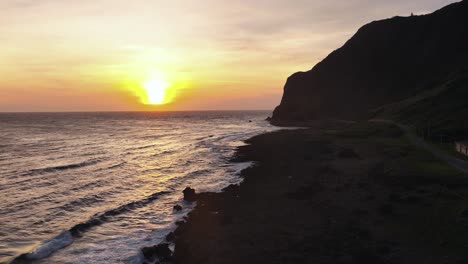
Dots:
pixel 347 193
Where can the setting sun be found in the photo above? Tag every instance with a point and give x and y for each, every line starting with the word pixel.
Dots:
pixel 156 90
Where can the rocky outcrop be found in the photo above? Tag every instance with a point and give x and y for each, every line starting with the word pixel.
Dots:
pixel 189 194
pixel 385 61
pixel 177 208
pixel 160 252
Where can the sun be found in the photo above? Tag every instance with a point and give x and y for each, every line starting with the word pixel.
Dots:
pixel 156 90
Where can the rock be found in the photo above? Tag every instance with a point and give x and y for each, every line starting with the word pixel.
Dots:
pixel 226 219
pixel 348 153
pixel 360 212
pixel 177 208
pixel 268 119
pixel 384 250
pixel 366 256
pixel 189 194
pixel 344 259
pixel 411 199
pixel 393 197
pixel 386 209
pixel 170 237
pixel 464 213
pixel 161 252
pixel 232 189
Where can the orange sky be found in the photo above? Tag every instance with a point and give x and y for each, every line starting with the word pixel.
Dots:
pixel 94 55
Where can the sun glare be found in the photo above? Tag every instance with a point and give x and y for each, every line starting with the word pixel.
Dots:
pixel 156 90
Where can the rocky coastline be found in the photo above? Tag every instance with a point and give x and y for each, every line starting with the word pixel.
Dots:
pixel 348 193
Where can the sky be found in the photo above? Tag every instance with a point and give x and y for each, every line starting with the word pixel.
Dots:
pixel 100 55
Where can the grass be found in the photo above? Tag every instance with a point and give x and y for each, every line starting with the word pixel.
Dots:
pixel 436 221
pixel 442 110
pixel 394 144
pixel 428 197
pixel 367 130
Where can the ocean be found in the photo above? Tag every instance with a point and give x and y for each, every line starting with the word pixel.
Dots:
pixel 98 187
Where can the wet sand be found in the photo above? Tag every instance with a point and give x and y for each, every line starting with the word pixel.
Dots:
pixel 343 194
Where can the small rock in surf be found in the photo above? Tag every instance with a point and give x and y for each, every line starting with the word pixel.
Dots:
pixel 161 251
pixel 189 194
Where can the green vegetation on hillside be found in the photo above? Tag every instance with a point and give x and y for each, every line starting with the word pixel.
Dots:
pixel 441 117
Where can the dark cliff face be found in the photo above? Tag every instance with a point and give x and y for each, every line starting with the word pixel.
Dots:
pixel 384 62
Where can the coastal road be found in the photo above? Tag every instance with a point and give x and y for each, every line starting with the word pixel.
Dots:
pixel 458 164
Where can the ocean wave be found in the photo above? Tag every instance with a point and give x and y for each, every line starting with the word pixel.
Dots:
pixel 88 186
pixel 113 166
pixel 150 137
pixel 198 173
pixel 143 147
pixel 63 240
pixel 67 237
pixel 101 218
pixel 165 152
pixel 116 165
pixel 83 202
pixel 64 167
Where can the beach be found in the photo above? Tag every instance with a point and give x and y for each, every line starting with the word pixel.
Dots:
pixel 341 193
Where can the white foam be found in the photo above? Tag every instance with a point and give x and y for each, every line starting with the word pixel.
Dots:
pixel 49 247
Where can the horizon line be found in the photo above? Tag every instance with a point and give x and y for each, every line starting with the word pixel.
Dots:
pixel 131 111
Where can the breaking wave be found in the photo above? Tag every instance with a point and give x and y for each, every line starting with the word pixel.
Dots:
pixel 67 237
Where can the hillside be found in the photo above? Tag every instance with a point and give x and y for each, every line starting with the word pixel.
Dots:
pixel 419 60
pixel 440 113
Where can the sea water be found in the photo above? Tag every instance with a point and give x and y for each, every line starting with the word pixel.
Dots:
pixel 98 187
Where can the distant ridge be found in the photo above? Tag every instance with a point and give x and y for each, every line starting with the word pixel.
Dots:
pixel 385 62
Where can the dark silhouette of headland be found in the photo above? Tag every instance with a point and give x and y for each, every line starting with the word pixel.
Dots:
pixel 419 64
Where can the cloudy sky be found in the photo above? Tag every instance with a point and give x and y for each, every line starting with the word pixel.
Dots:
pixel 87 55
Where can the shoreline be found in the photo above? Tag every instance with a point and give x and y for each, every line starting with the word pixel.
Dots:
pixel 348 193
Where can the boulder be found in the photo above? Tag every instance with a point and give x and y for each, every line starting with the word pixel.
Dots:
pixel 177 208
pixel 348 153
pixel 386 209
pixel 170 237
pixel 161 252
pixel 232 189
pixel 189 194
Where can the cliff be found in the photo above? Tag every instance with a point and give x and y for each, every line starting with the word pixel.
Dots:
pixel 385 62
